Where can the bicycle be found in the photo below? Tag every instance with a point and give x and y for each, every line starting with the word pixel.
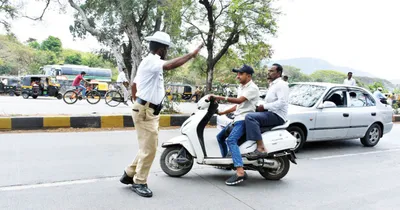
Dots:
pixel 115 97
pixel 74 94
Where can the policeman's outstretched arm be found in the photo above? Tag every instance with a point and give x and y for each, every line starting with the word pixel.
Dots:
pixel 177 62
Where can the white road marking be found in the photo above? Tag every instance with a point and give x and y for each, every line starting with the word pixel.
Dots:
pixel 54 184
pixel 355 154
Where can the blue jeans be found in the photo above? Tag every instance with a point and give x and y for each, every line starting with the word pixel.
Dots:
pixel 256 120
pixel 83 89
pixel 231 142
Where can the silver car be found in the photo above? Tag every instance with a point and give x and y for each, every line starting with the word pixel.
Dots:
pixel 324 111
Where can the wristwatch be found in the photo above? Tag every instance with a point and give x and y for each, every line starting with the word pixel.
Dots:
pixel 226 98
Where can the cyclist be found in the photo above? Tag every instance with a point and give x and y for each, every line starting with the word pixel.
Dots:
pixel 120 81
pixel 77 83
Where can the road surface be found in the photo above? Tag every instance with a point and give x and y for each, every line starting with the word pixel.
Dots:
pixel 82 170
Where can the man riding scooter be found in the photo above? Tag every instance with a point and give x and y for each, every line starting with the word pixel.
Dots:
pixel 248 94
pixel 272 113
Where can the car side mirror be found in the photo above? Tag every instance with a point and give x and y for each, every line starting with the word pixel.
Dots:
pixel 327 104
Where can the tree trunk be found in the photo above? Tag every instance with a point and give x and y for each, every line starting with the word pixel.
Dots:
pixel 127 59
pixel 210 77
pixel 118 55
pixel 136 52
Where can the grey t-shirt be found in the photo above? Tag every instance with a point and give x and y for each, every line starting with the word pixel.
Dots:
pixel 251 92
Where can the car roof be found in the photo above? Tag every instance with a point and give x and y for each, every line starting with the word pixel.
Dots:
pixel 329 85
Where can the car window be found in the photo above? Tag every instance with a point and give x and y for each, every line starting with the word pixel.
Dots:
pixel 304 94
pixel 338 97
pixel 359 98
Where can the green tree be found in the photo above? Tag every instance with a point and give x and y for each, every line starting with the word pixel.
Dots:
pixel 295 75
pixel 223 24
pixel 34 45
pixel 7 11
pixel 373 87
pixel 73 59
pixel 52 44
pixel 111 21
pixel 330 76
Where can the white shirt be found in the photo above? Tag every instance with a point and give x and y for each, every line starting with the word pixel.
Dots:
pixel 150 80
pixel 277 97
pixel 121 77
pixel 350 81
pixel 251 92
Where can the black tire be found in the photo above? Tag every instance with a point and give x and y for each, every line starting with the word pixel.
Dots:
pixel 372 136
pixel 70 97
pixel 11 93
pixel 277 174
pixel 298 133
pixel 176 170
pixel 113 98
pixel 93 97
pixel 59 96
pixel 34 97
pixel 25 95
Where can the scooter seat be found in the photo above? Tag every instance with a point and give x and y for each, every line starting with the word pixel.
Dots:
pixel 274 128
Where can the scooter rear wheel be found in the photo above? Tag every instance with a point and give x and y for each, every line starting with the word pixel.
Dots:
pixel 280 172
pixel 169 164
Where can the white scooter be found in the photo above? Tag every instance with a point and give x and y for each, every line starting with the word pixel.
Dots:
pixel 178 157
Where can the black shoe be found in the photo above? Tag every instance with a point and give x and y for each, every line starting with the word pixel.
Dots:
pixel 125 179
pixel 142 190
pixel 256 154
pixel 235 179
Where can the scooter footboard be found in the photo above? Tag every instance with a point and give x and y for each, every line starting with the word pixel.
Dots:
pixel 278 140
pixel 182 140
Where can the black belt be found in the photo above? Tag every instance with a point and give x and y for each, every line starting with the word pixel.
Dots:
pixel 143 102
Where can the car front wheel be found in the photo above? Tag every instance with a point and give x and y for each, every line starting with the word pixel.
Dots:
pixel 372 136
pixel 298 133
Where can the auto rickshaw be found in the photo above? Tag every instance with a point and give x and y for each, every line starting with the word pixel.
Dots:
pixel 101 87
pixel 40 85
pixel 10 85
pixel 174 90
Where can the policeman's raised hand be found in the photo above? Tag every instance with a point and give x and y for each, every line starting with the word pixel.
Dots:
pixel 197 50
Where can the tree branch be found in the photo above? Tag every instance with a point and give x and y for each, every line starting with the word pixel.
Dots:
pixel 200 32
pixel 211 29
pixel 41 16
pixel 232 39
pixel 143 17
pixel 85 20
pixel 221 11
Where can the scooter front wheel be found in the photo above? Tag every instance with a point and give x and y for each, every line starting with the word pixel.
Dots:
pixel 176 161
pixel 280 172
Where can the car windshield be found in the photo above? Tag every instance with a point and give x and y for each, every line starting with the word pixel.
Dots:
pixel 305 95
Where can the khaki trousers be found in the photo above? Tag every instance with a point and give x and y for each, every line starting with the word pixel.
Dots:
pixel 147 125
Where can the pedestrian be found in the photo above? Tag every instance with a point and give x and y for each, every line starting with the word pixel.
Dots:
pixel 148 92
pixel 349 80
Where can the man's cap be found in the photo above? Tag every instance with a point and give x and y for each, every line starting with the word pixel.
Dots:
pixel 379 88
pixel 160 37
pixel 245 69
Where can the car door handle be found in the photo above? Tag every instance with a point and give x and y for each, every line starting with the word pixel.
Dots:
pixel 373 113
pixel 345 114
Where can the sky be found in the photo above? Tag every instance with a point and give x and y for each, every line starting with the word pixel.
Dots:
pixel 361 34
